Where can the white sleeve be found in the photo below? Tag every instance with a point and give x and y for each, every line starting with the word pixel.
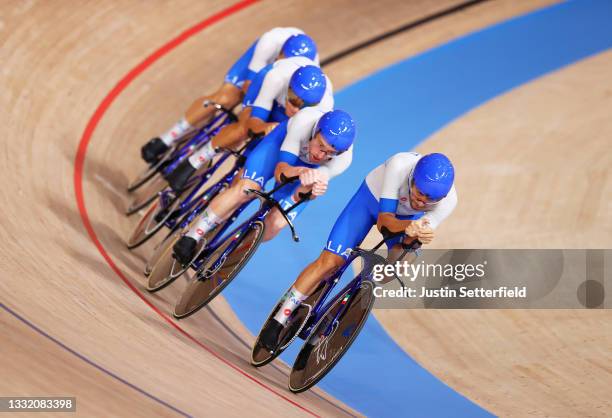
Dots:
pixel 299 128
pixel 265 48
pixel 338 164
pixel 442 209
pixel 393 177
pixel 270 89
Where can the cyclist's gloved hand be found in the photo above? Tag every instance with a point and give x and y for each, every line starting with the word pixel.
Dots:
pixel 316 179
pixel 420 229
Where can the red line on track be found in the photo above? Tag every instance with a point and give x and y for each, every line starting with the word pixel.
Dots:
pixel 80 161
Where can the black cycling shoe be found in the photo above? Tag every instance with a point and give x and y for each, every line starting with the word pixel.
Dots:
pixel 184 250
pixel 180 175
pixel 160 216
pixel 269 335
pixel 302 358
pixel 152 151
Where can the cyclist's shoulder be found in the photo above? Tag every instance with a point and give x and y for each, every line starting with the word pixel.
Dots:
pixel 403 159
pixel 305 118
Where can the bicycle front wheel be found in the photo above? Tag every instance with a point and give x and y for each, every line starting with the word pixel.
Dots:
pixel 147 194
pixel 219 270
pixel 330 339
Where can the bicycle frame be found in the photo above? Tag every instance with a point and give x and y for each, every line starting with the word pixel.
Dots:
pixel 238 232
pixel 204 135
pixel 321 307
pixel 195 198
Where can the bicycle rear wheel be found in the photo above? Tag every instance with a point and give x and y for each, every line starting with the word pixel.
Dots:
pixel 321 352
pixel 218 271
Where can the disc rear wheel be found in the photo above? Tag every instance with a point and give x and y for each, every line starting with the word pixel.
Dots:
pixel 330 339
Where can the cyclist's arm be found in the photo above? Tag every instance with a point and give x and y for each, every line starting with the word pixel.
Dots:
pixel 442 209
pixel 389 221
pixel 387 207
pixel 337 165
pixel 299 130
pixel 258 126
pixel 286 169
pixel 245 86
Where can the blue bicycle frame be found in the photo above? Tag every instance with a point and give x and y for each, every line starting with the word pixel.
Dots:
pixel 321 307
pixel 202 137
pixel 259 216
pixel 196 200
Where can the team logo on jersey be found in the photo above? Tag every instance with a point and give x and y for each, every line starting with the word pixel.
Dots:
pixel 253 176
pixel 337 249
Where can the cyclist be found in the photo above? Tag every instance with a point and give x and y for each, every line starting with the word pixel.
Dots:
pixel 313 145
pixel 272 45
pixel 276 93
pixel 409 193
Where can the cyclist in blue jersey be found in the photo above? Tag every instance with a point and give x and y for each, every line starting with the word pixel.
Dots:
pixel 276 93
pixel 409 193
pixel 273 45
pixel 314 145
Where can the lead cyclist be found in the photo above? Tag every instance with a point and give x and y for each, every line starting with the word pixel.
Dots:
pixel 273 45
pixel 409 193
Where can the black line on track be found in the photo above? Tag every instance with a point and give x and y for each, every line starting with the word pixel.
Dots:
pixel 404 28
pixel 91 362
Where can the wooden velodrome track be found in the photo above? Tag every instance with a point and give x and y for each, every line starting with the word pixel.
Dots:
pixel 59 63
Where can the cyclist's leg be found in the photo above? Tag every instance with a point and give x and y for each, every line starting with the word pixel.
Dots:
pixel 230 136
pixel 350 229
pixel 258 169
pixel 228 95
pixel 199 113
pixel 219 209
pixel 180 175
